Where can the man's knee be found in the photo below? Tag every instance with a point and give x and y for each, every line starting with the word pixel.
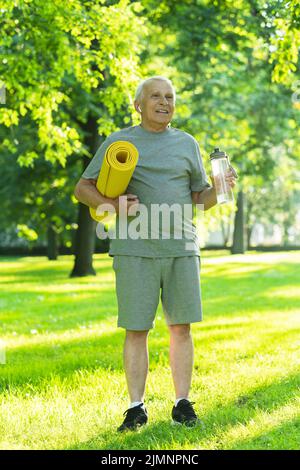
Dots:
pixel 136 335
pixel 180 331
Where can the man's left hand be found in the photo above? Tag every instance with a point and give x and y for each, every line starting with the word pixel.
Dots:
pixel 231 176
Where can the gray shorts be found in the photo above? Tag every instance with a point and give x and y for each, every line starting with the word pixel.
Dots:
pixel 140 281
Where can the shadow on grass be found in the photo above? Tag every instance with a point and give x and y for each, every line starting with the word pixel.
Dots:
pixel 57 312
pixel 97 349
pixel 275 439
pixel 217 421
pixel 263 277
pixel 32 365
pixel 224 295
pixel 72 304
pixel 44 275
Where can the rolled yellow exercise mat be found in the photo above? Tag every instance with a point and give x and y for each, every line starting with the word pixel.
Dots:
pixel 118 165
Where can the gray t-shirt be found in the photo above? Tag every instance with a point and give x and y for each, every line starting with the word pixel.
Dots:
pixel 168 169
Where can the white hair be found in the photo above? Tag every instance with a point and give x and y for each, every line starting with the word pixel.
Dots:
pixel 140 88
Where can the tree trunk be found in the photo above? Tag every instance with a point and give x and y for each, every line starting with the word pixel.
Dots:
pixel 225 228
pixel 239 235
pixel 249 227
pixel 52 243
pixel 84 244
pixel 249 233
pixel 228 232
pixel 223 231
pixel 285 234
pixel 86 231
pixel 288 219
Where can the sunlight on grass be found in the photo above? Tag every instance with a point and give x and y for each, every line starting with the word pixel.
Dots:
pixel 83 333
pixel 291 291
pixel 56 288
pixel 259 258
pixel 63 384
pixel 253 428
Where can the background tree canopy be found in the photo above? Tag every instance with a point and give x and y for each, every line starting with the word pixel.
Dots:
pixel 70 69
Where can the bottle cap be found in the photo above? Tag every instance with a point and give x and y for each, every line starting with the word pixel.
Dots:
pixel 217 153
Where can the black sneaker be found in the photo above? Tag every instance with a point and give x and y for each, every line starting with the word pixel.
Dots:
pixel 184 413
pixel 135 418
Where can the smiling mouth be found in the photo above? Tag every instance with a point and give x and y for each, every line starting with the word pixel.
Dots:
pixel 162 111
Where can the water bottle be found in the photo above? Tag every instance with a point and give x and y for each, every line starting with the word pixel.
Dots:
pixel 220 166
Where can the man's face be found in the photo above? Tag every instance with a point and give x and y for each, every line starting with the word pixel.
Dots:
pixel 157 103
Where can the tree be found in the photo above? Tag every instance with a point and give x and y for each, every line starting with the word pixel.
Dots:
pixel 285 42
pixel 68 69
pixel 37 200
pixel 226 94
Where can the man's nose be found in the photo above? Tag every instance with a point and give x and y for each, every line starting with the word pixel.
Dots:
pixel 164 100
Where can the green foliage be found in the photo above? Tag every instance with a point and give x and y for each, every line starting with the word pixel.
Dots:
pixel 25 232
pixel 51 50
pixel 65 65
pixel 224 66
pixel 276 201
pixel 70 69
pixel 285 42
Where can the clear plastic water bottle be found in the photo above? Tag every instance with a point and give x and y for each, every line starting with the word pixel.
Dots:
pixel 220 166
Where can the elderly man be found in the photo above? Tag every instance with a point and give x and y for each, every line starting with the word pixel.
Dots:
pixel 169 171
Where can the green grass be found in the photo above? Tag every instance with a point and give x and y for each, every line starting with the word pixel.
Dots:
pixel 63 386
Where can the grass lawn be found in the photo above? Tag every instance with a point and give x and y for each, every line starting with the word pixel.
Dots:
pixel 63 386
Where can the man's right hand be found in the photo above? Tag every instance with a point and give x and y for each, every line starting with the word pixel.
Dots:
pixel 87 193
pixel 126 201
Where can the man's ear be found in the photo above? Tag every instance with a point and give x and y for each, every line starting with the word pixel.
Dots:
pixel 137 107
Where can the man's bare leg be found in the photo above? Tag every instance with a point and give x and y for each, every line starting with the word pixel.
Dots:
pixel 136 363
pixel 181 358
